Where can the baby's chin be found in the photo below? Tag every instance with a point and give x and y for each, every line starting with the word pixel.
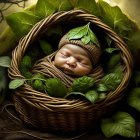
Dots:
pixel 71 73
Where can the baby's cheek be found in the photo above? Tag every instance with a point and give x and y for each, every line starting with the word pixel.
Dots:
pixel 83 70
pixel 58 62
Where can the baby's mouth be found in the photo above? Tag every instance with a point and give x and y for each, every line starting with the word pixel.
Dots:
pixel 67 71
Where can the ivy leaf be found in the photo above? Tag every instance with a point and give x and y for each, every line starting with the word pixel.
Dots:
pixel 73 2
pixel 112 80
pixel 101 88
pixel 84 33
pixel 16 83
pixel 21 22
pixel 114 17
pixel 121 123
pixel 93 38
pixel 82 84
pixel 78 32
pixel 92 96
pixel 85 39
pixel 65 5
pixel 45 7
pixel 5 61
pixel 111 50
pixel 133 98
pixel 134 41
pixel 88 5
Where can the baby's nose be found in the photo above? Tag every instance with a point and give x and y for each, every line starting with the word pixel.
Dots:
pixel 71 61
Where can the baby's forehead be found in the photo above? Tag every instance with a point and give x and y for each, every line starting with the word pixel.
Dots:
pixel 75 49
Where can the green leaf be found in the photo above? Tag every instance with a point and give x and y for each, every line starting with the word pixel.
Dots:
pixel 82 84
pixel 5 61
pixel 92 96
pixel 85 39
pixel 65 5
pixel 45 7
pixel 93 38
pixel 73 2
pixel 113 61
pixel 101 96
pixel 111 50
pixel 134 40
pixel 121 123
pixel 115 18
pixel 16 83
pixel 112 80
pixel 21 22
pixel 101 88
pixel 46 47
pixel 84 33
pixel 78 32
pixel 55 88
pixel 133 98
pixel 87 5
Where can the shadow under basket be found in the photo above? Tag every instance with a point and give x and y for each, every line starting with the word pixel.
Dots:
pixel 59 114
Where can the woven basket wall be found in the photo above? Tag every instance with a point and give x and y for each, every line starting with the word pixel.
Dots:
pixel 43 111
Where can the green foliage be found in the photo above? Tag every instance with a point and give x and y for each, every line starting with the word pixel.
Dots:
pixel 27 74
pixel 92 96
pixel 111 50
pixel 55 88
pixel 88 5
pixel 38 82
pixel 5 61
pixel 25 66
pixel 45 8
pixel 21 22
pixel 46 47
pixel 82 84
pixel 16 83
pixel 26 61
pixel 102 96
pixel 84 33
pixel 113 16
pixel 101 87
pixel 133 98
pixel 114 60
pixel 110 81
pixel 121 123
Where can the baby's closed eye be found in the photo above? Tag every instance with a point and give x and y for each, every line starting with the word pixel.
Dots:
pixel 65 54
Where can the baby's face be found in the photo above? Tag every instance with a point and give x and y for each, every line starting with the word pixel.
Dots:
pixel 73 60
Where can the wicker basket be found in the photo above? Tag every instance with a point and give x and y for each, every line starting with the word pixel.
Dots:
pixel 49 113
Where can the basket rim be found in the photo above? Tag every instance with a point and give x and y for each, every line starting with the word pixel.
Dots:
pixel 45 101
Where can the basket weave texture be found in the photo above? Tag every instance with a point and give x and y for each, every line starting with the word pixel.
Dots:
pixel 43 111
